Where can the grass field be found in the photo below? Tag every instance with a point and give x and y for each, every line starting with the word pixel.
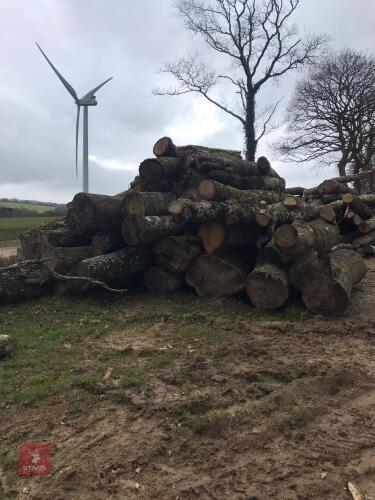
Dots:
pixel 26 206
pixel 10 228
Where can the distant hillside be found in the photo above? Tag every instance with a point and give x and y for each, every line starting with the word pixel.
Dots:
pixel 27 208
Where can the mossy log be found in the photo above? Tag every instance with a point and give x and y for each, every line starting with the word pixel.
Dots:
pixel 90 213
pixel 175 253
pixel 212 190
pixel 107 241
pixel 298 237
pixel 216 236
pixel 219 275
pixel 159 281
pixel 157 169
pixel 202 211
pixel 268 286
pixel 22 281
pixel 329 288
pixel 114 269
pixel 137 229
pixel 147 203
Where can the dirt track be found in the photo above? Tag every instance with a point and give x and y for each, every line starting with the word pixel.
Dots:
pixel 259 410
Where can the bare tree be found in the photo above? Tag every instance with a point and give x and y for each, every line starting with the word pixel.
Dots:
pixel 260 44
pixel 331 115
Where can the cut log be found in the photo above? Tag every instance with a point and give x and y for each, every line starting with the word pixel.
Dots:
pixel 364 240
pixel 266 183
pixel 233 166
pixel 165 147
pixel 191 194
pixel 157 169
pixel 369 199
pixel 273 254
pixel 291 201
pixel 106 241
pixel 149 203
pixel 331 186
pixel 136 229
pixel 216 236
pixel 175 253
pixel 159 281
pixel 295 191
pixel 62 259
pixel 358 206
pixel 113 269
pixel 329 287
pixel 268 286
pixel 303 269
pixel 22 281
pixel 33 240
pixel 351 178
pixel 218 276
pixel 89 213
pixel 264 165
pixel 298 237
pixel 212 190
pixel 202 211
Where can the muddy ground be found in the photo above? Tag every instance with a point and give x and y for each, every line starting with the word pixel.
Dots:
pixel 242 407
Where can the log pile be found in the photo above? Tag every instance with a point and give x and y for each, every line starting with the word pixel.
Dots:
pixel 205 218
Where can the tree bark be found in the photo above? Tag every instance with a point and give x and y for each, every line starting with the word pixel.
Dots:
pixel 331 281
pixel 268 286
pixel 159 281
pixel 158 169
pixel 90 213
pixel 202 211
pixel 218 276
pixel 212 190
pixel 216 236
pixel 136 229
pixel 165 147
pixel 23 281
pixel 175 253
pixel 148 203
pixel 113 269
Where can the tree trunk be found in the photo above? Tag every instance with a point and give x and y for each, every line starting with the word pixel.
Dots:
pixel 158 169
pixel 202 211
pixel 253 182
pixel 301 236
pixel 218 276
pixel 268 286
pixel 273 254
pixel 175 253
pixel 330 285
pixel 358 206
pixel 367 226
pixel 303 269
pixel 106 241
pixel 165 147
pixel 23 281
pixel 159 281
pixel 148 203
pixel 331 186
pixel 216 236
pixel 33 240
pixel 113 269
pixel 233 166
pixel 136 229
pixel 63 259
pixel 249 125
pixel 363 240
pixel 212 190
pixel 90 213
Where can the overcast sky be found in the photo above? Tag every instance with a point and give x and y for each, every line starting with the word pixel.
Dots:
pixel 90 40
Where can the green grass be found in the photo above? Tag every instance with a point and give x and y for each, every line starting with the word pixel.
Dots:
pixel 26 206
pixel 10 228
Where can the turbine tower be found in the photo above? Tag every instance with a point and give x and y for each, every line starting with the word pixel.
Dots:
pixel 87 100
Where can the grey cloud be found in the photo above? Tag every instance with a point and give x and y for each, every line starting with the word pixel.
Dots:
pixel 89 40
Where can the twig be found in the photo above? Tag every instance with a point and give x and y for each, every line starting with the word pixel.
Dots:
pixel 87 279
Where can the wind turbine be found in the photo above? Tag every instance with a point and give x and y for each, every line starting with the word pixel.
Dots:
pixel 86 101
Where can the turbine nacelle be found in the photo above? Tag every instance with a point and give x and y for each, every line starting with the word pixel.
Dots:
pixel 87 102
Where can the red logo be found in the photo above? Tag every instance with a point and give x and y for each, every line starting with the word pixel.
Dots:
pixel 34 459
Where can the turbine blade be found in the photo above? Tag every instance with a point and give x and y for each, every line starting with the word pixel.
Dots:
pixel 77 131
pixel 66 84
pixel 92 92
